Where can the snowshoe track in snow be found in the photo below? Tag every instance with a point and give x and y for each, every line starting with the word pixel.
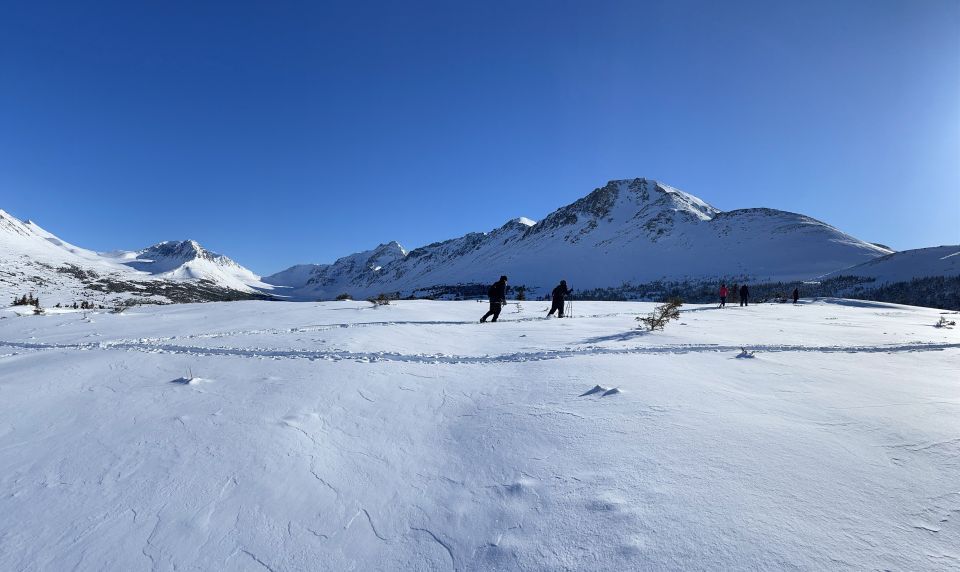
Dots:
pixel 369 357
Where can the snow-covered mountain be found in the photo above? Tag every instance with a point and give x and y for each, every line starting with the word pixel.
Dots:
pixel 920 277
pixel 627 239
pixel 329 280
pixel 187 260
pixel 907 264
pixel 35 260
pixel 628 231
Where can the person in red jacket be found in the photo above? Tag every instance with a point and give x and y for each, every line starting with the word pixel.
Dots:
pixel 723 295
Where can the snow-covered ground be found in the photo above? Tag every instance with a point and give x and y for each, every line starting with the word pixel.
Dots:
pixel 333 436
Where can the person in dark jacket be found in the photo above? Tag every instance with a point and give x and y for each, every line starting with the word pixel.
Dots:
pixel 498 297
pixel 560 294
pixel 796 295
pixel 744 295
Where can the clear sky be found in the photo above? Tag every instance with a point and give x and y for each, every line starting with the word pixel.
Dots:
pixel 288 132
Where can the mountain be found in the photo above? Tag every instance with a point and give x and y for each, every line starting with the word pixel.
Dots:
pixel 920 277
pixel 629 239
pixel 326 281
pixel 35 260
pixel 187 260
pixel 907 265
pixel 634 231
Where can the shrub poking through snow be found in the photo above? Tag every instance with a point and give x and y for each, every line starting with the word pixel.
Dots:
pixel 945 323
pixel 344 296
pixel 122 306
pixel 380 300
pixel 662 314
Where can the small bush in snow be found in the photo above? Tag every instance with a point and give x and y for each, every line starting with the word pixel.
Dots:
pixel 344 296
pixel 944 323
pixel 381 300
pixel 662 314
pixel 123 305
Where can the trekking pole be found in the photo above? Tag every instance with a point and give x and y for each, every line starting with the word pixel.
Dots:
pixel 570 306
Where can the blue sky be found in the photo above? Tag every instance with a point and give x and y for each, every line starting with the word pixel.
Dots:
pixel 280 133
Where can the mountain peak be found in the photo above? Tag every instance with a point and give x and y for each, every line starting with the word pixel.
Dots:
pixel 633 201
pixel 178 249
pixel 519 224
pixel 170 254
pixel 390 247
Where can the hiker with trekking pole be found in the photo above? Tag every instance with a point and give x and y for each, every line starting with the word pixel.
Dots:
pixel 498 297
pixel 559 295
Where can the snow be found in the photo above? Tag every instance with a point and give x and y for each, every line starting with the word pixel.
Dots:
pixel 35 260
pixel 908 264
pixel 629 231
pixel 338 435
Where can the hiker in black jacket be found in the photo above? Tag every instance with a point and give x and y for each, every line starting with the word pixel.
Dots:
pixel 744 295
pixel 796 295
pixel 560 294
pixel 498 297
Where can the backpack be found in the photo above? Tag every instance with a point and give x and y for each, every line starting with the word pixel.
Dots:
pixel 492 291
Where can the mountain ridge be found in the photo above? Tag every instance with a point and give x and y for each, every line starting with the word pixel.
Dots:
pixel 629 230
pixel 35 260
pixel 621 238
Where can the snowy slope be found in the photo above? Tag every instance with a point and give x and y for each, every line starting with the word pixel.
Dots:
pixel 339 436
pixel 326 281
pixel 629 231
pixel 908 264
pixel 35 260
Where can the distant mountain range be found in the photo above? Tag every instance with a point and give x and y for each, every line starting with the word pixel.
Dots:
pixel 628 239
pixel 33 260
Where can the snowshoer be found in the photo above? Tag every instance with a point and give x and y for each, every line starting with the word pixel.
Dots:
pixel 498 297
pixel 560 294
pixel 744 295
pixel 796 295
pixel 723 295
